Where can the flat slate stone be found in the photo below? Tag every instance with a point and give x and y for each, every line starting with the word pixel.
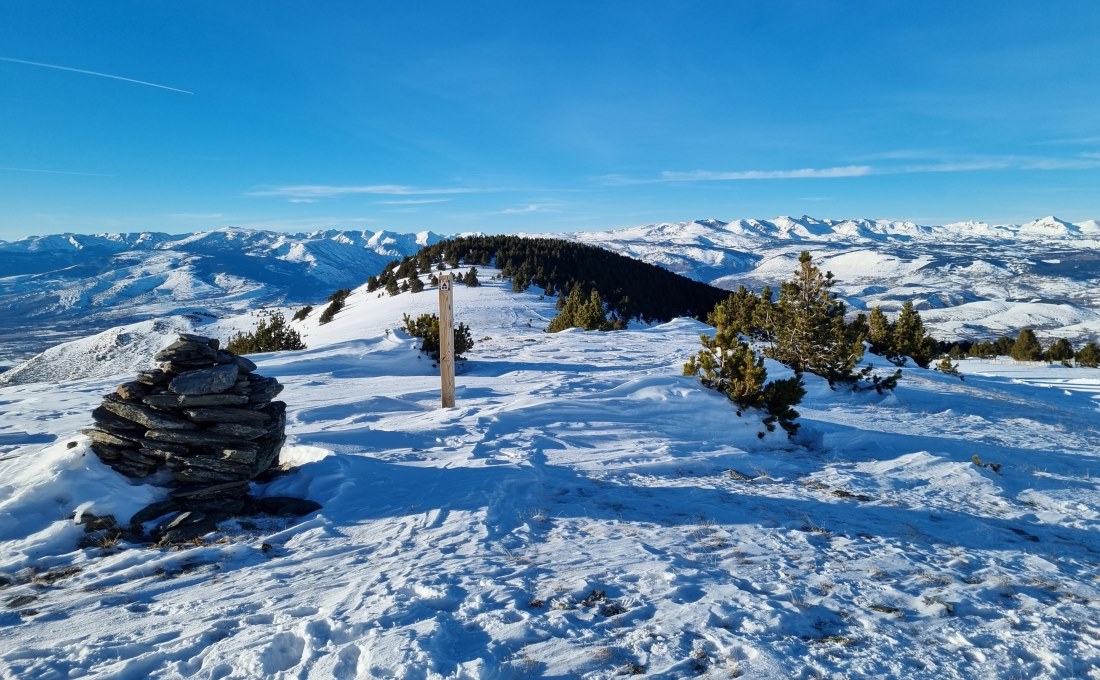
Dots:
pixel 132 390
pixel 264 390
pixel 243 456
pixel 101 437
pixel 238 488
pixel 152 377
pixel 130 469
pixel 197 438
pixel 162 401
pixel 238 430
pixel 237 470
pixel 185 350
pixel 175 368
pixel 109 421
pixel 144 415
pixel 163 447
pixel 106 452
pixel 142 457
pixel 212 400
pixel 227 415
pixel 213 343
pixel 197 475
pixel 205 380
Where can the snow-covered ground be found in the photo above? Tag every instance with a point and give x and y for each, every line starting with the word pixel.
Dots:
pixel 585 511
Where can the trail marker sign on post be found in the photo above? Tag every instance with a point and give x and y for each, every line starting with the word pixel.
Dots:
pixel 447 340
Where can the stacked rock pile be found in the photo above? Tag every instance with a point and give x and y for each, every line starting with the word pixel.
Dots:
pixel 203 422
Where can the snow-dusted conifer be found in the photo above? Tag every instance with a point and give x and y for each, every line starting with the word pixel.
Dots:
pixel 810 331
pixel 1027 347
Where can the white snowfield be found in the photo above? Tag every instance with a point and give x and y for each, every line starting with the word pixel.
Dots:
pixel 585 511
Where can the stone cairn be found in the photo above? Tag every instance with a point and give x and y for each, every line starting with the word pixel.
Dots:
pixel 203 423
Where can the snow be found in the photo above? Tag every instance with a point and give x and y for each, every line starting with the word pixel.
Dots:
pixel 584 511
pixel 886 263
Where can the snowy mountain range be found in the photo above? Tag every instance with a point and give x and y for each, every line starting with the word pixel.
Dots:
pixel 585 511
pixel 969 279
pixel 56 288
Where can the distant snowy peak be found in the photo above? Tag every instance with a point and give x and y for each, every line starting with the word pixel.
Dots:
pixel 1049 226
pixel 806 228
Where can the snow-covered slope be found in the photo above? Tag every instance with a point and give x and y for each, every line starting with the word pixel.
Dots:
pixel 950 272
pixel 55 288
pixel 585 511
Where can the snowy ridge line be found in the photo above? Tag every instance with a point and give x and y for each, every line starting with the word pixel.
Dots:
pixel 970 280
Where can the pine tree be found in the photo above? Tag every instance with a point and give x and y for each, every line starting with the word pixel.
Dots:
pixel 391 286
pixel 1060 350
pixel 470 279
pixel 739 312
pixel 728 364
pixel 1089 355
pixel 764 316
pixel 810 332
pixel 415 284
pixel 880 333
pixel 909 338
pixel 581 311
pixel 1027 347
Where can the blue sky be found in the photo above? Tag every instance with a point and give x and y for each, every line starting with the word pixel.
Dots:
pixel 535 116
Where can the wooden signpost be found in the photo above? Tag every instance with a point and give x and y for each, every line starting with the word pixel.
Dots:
pixel 447 339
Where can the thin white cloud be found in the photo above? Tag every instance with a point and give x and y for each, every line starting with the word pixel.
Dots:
pixel 530 208
pixel 415 201
pixel 803 173
pixel 949 166
pixel 318 191
pixel 1083 161
pixel 56 172
pixel 94 73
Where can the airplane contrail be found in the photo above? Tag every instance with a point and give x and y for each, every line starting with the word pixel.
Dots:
pixel 93 73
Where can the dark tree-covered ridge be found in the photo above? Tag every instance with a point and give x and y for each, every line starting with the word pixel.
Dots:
pixel 632 289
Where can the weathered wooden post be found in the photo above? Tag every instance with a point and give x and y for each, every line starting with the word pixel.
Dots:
pixel 447 340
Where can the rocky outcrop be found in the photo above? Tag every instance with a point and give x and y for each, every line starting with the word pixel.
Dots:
pixel 203 423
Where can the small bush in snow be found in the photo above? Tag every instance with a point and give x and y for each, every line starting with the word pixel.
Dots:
pixel 426 327
pixel 948 367
pixel 302 313
pixel 272 334
pixel 335 304
pixel 583 311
